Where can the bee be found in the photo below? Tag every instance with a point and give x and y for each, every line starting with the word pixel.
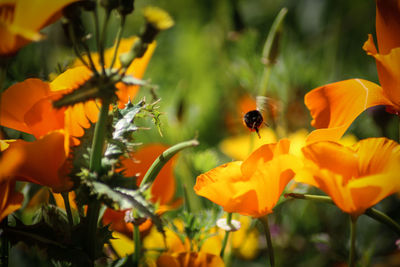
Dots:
pixel 254 118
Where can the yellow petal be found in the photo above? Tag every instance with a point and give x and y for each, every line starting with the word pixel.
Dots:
pixel 240 147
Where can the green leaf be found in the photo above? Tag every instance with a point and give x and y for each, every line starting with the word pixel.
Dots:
pixel 60 243
pixel 124 126
pixel 122 199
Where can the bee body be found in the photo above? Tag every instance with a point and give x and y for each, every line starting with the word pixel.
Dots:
pixel 253 120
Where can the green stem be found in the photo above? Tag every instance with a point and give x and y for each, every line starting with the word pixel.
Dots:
pixel 102 41
pixel 4 243
pixel 225 240
pixel 270 50
pixel 99 137
pixel 75 45
pixel 398 118
pixel 96 27
pixel 353 229
pixel 65 196
pixel 91 62
pixel 371 212
pixel 138 245
pixel 95 166
pixel 383 218
pixel 161 160
pixel 118 41
pixel 318 198
pixel 264 221
pixel 3 74
pixel 264 80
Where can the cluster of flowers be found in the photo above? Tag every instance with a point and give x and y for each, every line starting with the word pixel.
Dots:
pixel 355 177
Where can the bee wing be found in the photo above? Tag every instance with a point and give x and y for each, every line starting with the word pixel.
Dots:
pixel 262 102
pixel 270 107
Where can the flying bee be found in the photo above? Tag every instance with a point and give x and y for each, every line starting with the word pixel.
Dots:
pixel 254 118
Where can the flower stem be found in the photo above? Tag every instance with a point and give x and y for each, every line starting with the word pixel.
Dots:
pixel 75 45
pixel 270 50
pixel 225 241
pixel 4 243
pixel 138 248
pixel 264 221
pixel 118 41
pixel 3 73
pixel 352 255
pixel 95 166
pixel 161 160
pixel 99 137
pixel 325 199
pixel 102 41
pixel 65 196
pixel 383 218
pixel 371 212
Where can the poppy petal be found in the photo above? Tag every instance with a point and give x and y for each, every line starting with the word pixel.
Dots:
pixel 10 160
pixel 263 154
pixel 388 66
pixel 335 106
pixel 10 200
pixel 44 162
pixel 209 184
pixel 333 157
pixel 18 99
pixel 375 154
pixel 387 25
pixel 40 12
pixel 163 188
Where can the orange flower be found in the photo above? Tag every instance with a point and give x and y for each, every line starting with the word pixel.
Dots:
pixel 162 190
pixel 251 187
pixel 78 74
pixel 10 163
pixel 10 200
pixel 27 107
pixel 189 259
pixel 43 162
pixel 335 106
pixel 21 20
pixel 356 177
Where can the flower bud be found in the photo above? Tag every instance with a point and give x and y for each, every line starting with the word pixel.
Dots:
pixel 157 20
pixel 125 7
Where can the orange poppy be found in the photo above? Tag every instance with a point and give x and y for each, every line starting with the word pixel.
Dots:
pixel 21 20
pixel 10 200
pixel 335 106
pixel 251 187
pixel 43 161
pixel 356 177
pixel 162 190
